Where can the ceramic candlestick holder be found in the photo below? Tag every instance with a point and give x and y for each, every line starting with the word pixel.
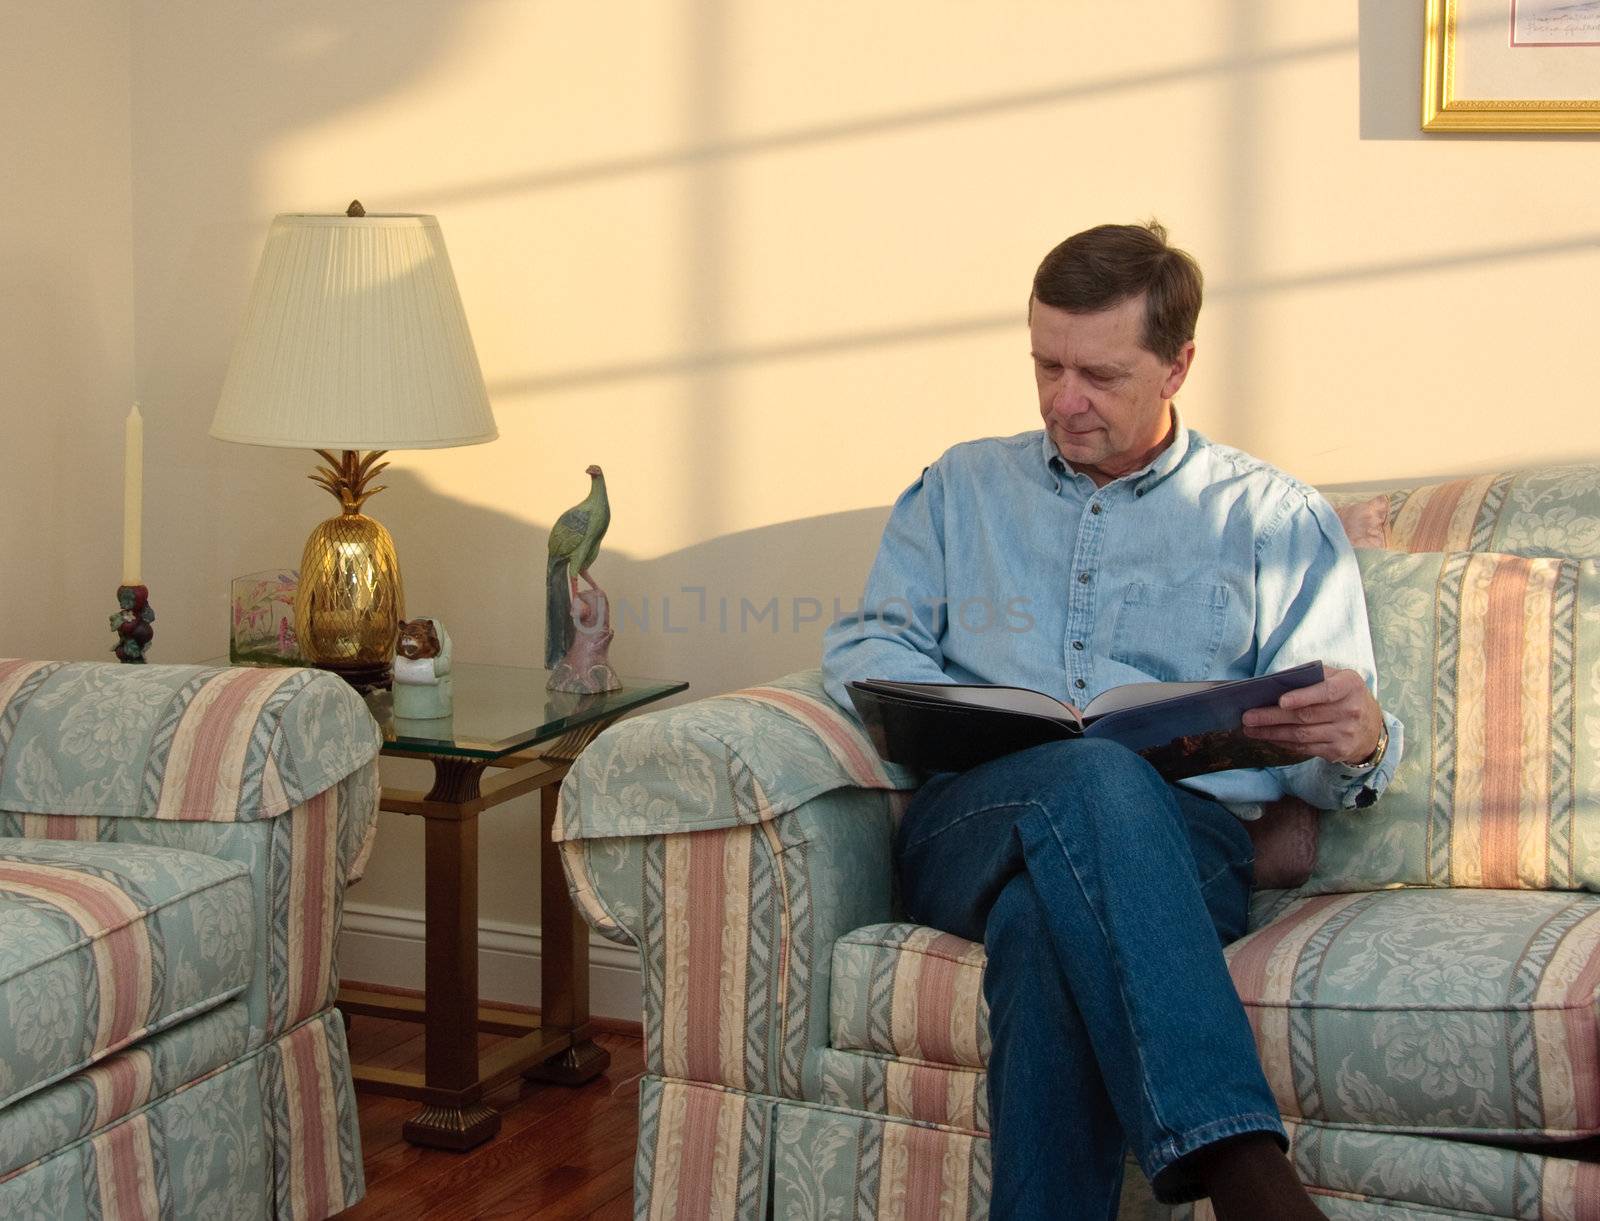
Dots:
pixel 132 624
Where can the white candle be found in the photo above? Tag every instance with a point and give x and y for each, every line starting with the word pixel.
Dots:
pixel 132 495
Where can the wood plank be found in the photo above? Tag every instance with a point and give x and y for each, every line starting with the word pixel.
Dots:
pixel 560 1153
pixel 545 1165
pixel 597 1195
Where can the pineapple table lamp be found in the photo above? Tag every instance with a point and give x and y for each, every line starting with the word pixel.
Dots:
pixel 354 343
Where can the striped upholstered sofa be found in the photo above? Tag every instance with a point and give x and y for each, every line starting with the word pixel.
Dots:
pixel 1423 990
pixel 174 847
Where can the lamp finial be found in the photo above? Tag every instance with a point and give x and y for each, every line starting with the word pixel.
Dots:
pixel 355 209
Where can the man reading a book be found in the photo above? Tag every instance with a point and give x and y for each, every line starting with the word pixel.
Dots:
pixel 1116 545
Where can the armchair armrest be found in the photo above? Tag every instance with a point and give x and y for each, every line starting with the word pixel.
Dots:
pixel 274 769
pixel 183 743
pixel 733 839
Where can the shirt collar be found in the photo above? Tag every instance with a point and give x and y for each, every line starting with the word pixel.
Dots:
pixel 1162 465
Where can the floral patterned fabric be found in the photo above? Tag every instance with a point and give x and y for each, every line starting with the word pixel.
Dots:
pixel 1365 522
pixel 1493 664
pixel 296 866
pixel 1358 1174
pixel 737 928
pixel 120 1084
pixel 1465 1012
pixel 1553 511
pixel 101 946
pixel 731 760
pixel 119 788
pixel 702 1153
pixel 272 1135
pixel 904 1088
pixel 174 742
pixel 906 990
pixel 830 1162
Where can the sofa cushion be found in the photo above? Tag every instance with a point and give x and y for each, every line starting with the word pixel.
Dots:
pixel 1453 1012
pixel 909 991
pixel 103 944
pixel 1490 661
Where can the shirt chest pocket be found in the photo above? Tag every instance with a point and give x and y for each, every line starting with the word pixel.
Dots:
pixel 1170 632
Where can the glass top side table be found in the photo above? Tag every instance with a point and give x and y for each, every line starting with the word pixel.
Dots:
pixel 503 719
pixel 500 709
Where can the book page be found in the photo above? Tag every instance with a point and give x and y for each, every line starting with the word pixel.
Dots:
pixel 1006 699
pixel 1133 695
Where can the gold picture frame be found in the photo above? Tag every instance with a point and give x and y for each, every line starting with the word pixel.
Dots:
pixel 1443 110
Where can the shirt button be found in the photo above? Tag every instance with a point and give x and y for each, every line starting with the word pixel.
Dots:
pixel 1138 492
pixel 1080 684
pixel 1095 509
pixel 1083 578
pixel 1078 644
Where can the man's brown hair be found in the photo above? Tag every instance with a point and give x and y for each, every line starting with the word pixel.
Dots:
pixel 1104 266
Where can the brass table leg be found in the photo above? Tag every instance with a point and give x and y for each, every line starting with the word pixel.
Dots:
pixel 450 1049
pixel 563 965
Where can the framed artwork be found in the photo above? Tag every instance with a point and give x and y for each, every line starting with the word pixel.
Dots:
pixel 1511 65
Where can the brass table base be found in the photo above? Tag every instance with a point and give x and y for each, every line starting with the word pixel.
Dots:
pixel 452 1128
pixel 580 1063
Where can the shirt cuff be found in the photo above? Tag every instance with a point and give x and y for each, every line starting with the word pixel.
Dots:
pixel 1352 788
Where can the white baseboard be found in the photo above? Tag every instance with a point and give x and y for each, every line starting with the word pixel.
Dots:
pixel 384 945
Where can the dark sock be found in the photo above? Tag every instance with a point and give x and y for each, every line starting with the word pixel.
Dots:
pixel 1249 1179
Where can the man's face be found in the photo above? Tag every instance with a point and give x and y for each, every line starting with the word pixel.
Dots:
pixel 1102 394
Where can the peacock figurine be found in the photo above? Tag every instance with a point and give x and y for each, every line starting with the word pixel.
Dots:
pixel 574 543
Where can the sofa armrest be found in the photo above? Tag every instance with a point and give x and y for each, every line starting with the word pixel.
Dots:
pixel 731 760
pixel 735 928
pixel 732 840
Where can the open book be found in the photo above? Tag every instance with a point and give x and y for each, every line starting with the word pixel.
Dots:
pixel 1183 729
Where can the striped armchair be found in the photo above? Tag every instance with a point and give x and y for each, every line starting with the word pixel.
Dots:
pixel 1424 992
pixel 174 846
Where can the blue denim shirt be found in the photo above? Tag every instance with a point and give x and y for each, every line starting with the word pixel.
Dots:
pixel 1003 565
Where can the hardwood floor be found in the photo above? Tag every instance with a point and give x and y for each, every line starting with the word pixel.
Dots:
pixel 560 1153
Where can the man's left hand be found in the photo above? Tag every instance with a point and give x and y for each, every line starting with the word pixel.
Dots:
pixel 1337 719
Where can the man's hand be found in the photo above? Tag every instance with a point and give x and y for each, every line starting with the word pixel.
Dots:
pixel 1337 719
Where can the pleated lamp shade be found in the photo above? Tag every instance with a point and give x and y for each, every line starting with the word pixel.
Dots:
pixel 354 338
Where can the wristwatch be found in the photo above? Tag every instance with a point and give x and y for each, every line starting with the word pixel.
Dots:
pixel 1376 757
pixel 1369 795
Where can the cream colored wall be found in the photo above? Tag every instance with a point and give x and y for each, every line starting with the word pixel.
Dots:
pixel 66 321
pixel 763 261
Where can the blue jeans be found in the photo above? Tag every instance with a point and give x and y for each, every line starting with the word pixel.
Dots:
pixel 1103 896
